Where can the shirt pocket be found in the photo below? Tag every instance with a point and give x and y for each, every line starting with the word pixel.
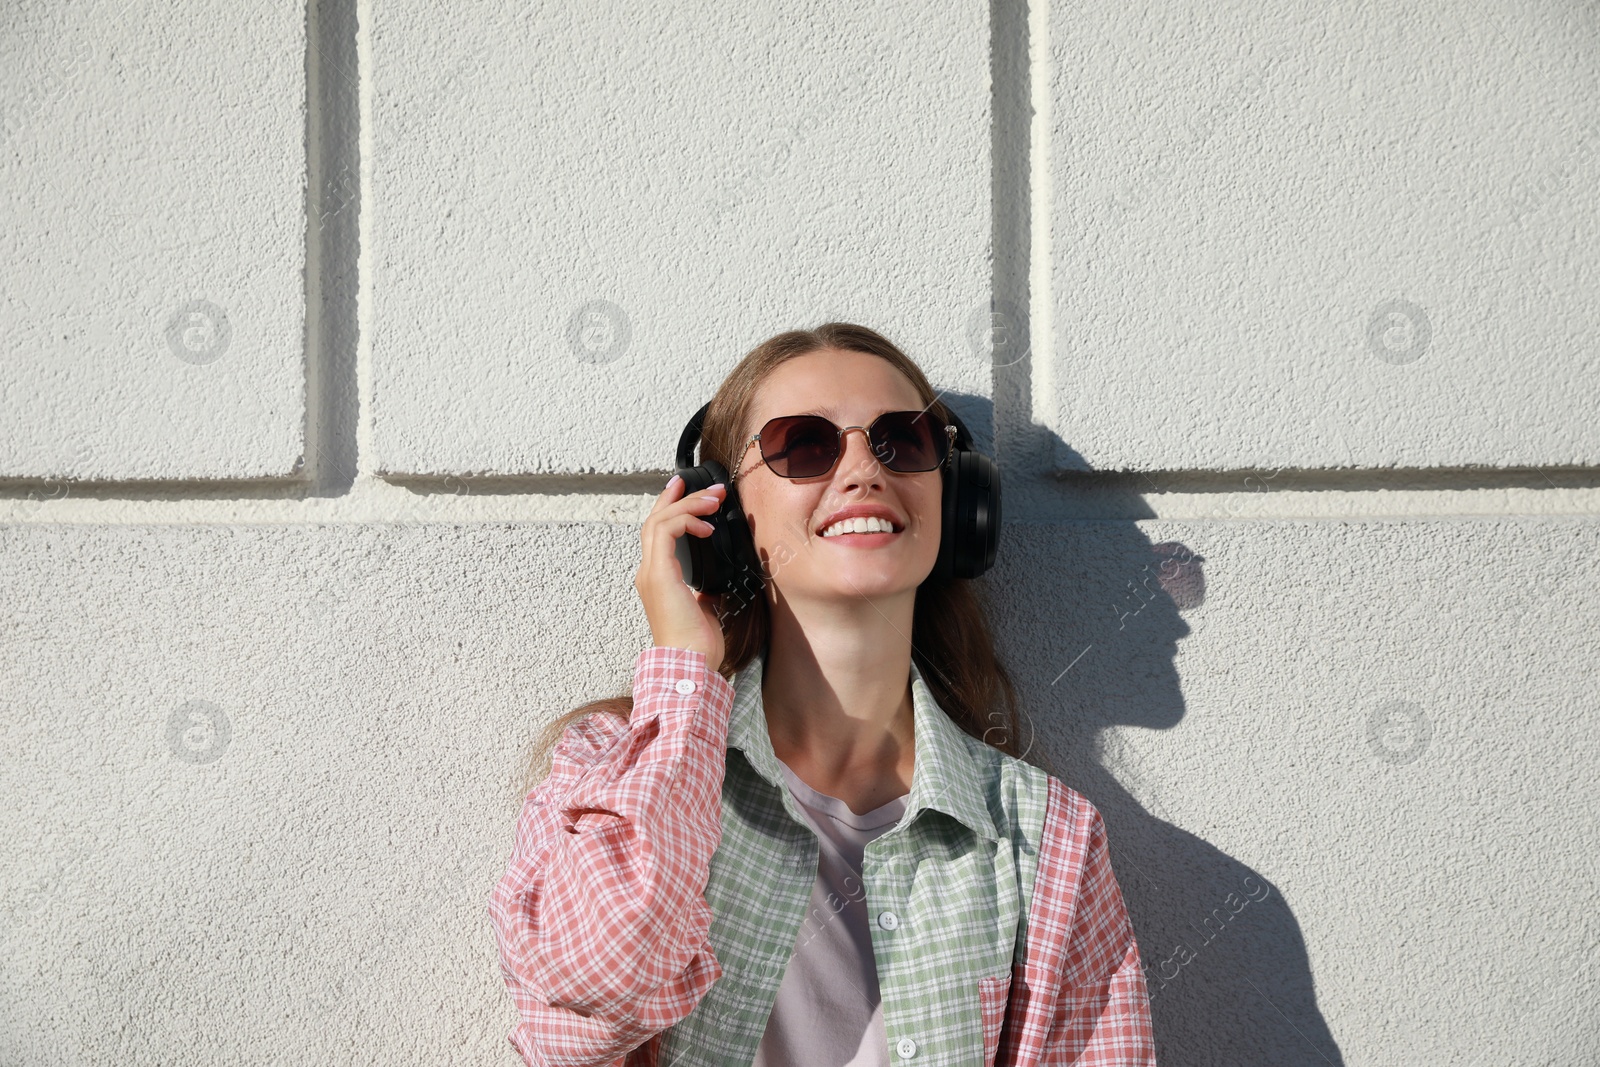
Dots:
pixel 993 993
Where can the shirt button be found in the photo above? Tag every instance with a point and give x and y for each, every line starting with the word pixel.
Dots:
pixel 890 921
pixel 906 1047
pixel 685 686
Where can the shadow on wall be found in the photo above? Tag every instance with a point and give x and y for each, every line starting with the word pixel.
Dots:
pixel 1088 616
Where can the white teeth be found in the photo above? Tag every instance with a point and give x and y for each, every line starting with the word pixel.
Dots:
pixel 868 524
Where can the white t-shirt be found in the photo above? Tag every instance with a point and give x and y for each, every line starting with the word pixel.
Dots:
pixel 828 1012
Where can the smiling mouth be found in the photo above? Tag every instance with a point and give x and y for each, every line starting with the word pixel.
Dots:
pixel 858 528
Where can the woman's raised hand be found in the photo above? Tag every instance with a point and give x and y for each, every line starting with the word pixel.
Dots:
pixel 679 616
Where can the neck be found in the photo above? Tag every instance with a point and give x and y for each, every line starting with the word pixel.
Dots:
pixel 837 695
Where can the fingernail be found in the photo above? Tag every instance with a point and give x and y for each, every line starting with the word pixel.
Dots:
pixel 716 485
pixel 672 481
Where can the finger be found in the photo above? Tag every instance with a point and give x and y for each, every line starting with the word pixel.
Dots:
pixel 668 494
pixel 675 519
pixel 697 526
pixel 687 514
pixel 660 534
pixel 705 501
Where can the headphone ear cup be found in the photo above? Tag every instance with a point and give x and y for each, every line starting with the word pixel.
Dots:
pixel 723 563
pixel 985 528
pixel 970 537
pixel 944 566
pixel 696 557
pixel 744 581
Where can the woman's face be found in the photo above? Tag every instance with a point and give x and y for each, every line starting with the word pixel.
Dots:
pixel 787 517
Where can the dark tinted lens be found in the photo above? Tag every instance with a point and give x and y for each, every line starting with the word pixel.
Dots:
pixel 909 441
pixel 800 446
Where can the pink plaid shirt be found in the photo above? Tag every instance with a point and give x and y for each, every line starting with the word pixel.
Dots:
pixel 604 930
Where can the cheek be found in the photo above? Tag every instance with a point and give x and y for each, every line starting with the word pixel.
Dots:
pixel 775 520
pixel 930 508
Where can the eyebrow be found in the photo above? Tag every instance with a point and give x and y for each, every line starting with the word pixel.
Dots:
pixel 832 414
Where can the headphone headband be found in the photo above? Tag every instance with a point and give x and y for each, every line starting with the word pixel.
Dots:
pixel 691 434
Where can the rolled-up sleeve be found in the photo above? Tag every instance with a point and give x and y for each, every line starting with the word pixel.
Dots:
pixel 600 919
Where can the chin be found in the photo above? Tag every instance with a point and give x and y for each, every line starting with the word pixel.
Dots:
pixel 850 582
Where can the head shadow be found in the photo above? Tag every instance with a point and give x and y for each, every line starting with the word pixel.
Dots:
pixel 1087 616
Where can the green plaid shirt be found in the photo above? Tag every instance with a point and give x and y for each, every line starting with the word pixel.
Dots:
pixel 957 871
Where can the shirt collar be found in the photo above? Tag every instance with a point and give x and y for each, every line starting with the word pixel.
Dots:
pixel 946 775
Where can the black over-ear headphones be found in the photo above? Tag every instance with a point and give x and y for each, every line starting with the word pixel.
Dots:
pixel 726 561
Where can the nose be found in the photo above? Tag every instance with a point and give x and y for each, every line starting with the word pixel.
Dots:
pixel 858 466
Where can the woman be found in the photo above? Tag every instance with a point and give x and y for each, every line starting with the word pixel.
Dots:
pixel 807 838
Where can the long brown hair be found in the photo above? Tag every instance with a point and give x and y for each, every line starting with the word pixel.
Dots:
pixel 950 638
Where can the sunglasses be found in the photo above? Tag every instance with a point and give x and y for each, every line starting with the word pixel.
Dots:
pixel 807 446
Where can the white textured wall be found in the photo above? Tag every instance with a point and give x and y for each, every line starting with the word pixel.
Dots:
pixel 346 348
